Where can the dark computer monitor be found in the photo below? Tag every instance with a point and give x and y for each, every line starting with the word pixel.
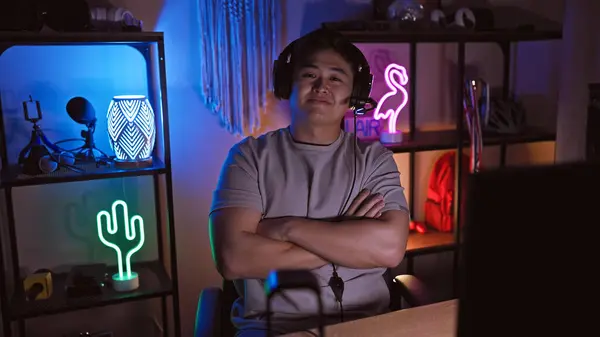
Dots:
pixel 530 248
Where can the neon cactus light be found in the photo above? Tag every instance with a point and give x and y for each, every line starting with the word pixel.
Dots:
pixel 395 79
pixel 109 226
pixel 131 130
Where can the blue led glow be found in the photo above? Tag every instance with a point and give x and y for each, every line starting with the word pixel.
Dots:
pixel 131 127
pixel 271 282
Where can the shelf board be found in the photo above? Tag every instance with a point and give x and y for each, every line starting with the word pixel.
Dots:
pixel 430 242
pixel 448 139
pixel 11 177
pixel 89 38
pixel 450 35
pixel 154 282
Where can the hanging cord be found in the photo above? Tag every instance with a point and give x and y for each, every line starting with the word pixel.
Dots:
pixel 335 282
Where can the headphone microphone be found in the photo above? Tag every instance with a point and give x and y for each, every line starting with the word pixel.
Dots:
pixel 367 105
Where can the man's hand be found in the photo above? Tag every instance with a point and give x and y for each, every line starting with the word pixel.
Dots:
pixel 274 229
pixel 366 205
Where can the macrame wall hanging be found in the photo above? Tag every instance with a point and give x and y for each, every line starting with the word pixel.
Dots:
pixel 240 41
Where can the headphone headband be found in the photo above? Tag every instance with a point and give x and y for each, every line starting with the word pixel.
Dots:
pixel 283 73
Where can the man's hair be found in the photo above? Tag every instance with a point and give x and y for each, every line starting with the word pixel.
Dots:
pixel 325 39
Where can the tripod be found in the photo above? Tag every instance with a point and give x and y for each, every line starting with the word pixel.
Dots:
pixel 37 140
pixel 86 153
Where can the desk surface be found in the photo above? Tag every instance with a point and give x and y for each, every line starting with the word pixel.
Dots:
pixel 434 320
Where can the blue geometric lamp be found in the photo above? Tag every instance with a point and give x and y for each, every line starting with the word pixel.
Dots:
pixel 131 130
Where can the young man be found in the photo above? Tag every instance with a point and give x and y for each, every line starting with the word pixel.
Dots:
pixel 310 196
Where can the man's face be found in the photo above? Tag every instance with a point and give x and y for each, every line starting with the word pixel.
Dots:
pixel 322 89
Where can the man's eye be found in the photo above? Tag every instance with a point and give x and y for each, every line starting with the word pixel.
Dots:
pixel 309 75
pixel 335 79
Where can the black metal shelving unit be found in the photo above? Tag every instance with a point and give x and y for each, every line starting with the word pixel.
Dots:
pixel 419 141
pixel 156 281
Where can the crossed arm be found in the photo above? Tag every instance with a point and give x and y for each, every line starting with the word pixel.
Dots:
pixel 359 243
pixel 240 253
pixel 245 247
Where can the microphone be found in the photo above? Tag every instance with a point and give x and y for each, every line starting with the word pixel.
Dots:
pixel 81 111
pixel 368 104
pixel 279 280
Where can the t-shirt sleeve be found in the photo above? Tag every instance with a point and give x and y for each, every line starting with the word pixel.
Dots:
pixel 384 178
pixel 238 181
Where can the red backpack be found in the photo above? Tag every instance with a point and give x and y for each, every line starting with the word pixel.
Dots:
pixel 439 206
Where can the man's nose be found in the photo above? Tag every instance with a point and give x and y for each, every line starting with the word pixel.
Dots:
pixel 319 85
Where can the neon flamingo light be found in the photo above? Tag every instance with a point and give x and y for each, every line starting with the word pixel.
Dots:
pixel 395 79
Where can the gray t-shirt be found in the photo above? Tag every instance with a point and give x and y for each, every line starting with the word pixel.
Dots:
pixel 280 177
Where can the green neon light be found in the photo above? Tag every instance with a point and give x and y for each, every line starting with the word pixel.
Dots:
pixel 110 227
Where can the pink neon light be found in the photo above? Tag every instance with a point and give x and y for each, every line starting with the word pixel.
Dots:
pixel 395 78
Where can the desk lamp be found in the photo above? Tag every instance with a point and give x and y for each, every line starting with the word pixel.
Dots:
pixel 279 280
pixel 131 130
pixel 109 227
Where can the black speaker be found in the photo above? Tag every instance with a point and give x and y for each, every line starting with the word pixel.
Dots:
pixel 592 130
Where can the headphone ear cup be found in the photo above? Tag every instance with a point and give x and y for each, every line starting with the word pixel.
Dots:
pixel 282 79
pixel 361 91
pixel 47 165
pixel 355 97
pixel 465 17
pixel 66 158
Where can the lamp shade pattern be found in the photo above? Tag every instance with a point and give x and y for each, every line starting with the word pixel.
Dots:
pixel 131 127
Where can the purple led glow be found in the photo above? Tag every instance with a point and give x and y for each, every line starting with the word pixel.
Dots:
pixel 395 78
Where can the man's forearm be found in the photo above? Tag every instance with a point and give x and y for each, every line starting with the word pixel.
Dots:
pixel 255 256
pixel 361 244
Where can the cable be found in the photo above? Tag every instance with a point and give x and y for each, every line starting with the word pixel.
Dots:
pixel 335 282
pixel 355 141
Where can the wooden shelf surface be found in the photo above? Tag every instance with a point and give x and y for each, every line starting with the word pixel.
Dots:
pixel 448 139
pixel 450 35
pixel 84 38
pixel 11 177
pixel 154 282
pixel 430 242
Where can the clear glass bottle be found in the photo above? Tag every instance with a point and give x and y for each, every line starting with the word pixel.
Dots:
pixel 406 10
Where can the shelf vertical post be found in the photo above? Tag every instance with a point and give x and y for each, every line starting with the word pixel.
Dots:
pixel 459 164
pixel 412 125
pixel 14 254
pixel 154 86
pixel 4 304
pixel 169 186
pixel 412 95
pixel 506 64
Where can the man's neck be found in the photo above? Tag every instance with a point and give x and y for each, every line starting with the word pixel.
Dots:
pixel 319 135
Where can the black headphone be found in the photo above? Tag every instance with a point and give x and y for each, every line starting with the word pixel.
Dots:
pixel 283 75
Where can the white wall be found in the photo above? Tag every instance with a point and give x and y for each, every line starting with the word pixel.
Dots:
pixel 199 145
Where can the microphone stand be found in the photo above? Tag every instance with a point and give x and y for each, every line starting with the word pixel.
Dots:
pixel 86 153
pixel 292 279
